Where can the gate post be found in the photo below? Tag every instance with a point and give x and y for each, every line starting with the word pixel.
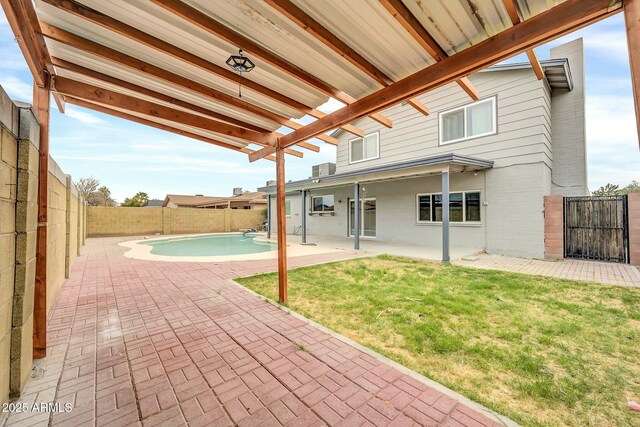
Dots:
pixel 554 227
pixel 633 209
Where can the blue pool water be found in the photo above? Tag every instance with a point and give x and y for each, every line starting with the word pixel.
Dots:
pixel 209 245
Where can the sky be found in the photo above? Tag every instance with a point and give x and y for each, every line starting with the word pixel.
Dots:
pixel 128 157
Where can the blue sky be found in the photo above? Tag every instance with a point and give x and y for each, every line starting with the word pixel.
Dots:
pixel 128 157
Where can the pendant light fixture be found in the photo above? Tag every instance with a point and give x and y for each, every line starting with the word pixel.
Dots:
pixel 241 64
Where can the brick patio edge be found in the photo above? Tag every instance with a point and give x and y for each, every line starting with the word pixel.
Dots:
pixel 413 374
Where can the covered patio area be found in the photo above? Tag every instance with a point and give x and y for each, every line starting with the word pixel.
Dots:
pixel 155 343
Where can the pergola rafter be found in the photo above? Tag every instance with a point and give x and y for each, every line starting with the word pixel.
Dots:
pixel 121 114
pixel 403 15
pixel 512 11
pixel 546 26
pixel 313 27
pixel 134 34
pixel 215 28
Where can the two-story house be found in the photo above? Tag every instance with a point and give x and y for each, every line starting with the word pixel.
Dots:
pixel 498 156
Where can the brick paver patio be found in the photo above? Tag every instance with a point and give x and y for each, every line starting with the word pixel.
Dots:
pixel 607 273
pixel 138 342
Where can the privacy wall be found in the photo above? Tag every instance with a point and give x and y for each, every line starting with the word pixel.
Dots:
pixel 119 221
pixel 19 136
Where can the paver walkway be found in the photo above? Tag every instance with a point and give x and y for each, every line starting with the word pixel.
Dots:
pixel 592 271
pixel 138 342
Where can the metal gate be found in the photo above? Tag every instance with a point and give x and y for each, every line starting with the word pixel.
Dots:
pixel 596 228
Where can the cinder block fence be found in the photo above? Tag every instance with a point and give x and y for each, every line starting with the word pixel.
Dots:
pixel 19 159
pixel 118 221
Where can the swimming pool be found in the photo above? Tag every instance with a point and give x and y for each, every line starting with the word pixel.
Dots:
pixel 209 245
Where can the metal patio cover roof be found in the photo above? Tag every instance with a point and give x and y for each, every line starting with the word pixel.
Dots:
pixel 366 26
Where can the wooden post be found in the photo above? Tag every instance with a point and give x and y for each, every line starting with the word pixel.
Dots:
pixel 282 227
pixel 356 216
pixel 632 22
pixel 41 109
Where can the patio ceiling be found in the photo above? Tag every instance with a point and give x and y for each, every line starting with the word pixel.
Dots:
pixel 169 55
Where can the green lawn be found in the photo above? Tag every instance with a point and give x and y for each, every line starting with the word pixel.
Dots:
pixel 542 351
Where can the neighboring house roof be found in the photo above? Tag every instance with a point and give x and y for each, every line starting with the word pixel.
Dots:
pixel 416 167
pixel 256 197
pixel 154 203
pixel 189 201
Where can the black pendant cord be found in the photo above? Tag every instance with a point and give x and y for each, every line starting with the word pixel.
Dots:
pixel 240 87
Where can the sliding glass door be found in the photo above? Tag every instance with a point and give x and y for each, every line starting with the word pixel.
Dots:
pixel 367 217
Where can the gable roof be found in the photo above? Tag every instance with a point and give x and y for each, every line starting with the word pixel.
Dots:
pixel 189 200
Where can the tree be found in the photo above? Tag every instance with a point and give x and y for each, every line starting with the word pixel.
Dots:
pixel 93 193
pixel 102 197
pixel 634 187
pixel 607 190
pixel 615 190
pixel 137 201
pixel 87 186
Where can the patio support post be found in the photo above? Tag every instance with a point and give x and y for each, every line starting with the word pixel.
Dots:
pixel 632 23
pixel 41 109
pixel 304 215
pixel 445 216
pixel 356 216
pixel 268 216
pixel 282 227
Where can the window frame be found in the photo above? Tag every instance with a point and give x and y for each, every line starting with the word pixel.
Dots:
pixel 377 134
pixel 464 208
pixel 287 203
pixel 493 100
pixel 322 197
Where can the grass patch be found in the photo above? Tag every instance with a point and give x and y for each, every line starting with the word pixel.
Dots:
pixel 540 350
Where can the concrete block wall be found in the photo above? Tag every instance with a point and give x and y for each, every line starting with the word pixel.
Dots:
pixel 554 227
pixel 634 228
pixel 19 159
pixel 8 193
pixel 119 221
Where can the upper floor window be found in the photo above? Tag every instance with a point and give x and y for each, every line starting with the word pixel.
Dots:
pixel 367 148
pixel 470 121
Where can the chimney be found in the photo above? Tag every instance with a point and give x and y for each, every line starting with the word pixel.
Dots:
pixel 271 183
pixel 237 191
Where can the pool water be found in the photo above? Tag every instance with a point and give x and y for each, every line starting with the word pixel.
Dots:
pixel 209 245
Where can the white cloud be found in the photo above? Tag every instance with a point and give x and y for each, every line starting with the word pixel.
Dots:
pixel 17 89
pixel 83 116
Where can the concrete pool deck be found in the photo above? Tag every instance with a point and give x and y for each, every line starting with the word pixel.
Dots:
pixel 138 342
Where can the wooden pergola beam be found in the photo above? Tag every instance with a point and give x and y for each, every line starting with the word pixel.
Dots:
pixel 210 25
pixel 130 62
pixel 108 97
pixel 414 27
pixel 326 37
pixel 555 22
pixel 24 34
pixel 161 126
pixel 512 11
pixel 632 25
pixel 41 108
pixel 95 17
pixel 107 78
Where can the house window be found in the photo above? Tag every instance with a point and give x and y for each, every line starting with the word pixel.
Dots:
pixel 463 207
pixel 287 208
pixel 367 148
pixel 322 203
pixel 471 121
